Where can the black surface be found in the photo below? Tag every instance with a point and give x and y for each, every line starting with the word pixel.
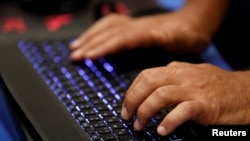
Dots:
pixel 82 19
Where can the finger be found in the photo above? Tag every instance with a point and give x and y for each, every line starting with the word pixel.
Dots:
pixel 144 84
pixel 185 111
pixel 163 97
pixel 117 41
pixel 98 43
pixel 101 25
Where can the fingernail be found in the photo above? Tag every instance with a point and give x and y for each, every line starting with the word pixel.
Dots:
pixel 76 54
pixel 137 125
pixel 162 130
pixel 124 112
pixel 75 43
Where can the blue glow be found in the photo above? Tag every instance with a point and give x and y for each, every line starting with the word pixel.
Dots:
pixel 108 67
pixel 171 4
pixel 81 92
pixel 117 97
pixel 103 79
pixel 100 94
pixel 81 72
pixel 51 74
pixel 68 75
pixel 98 73
pixel 108 85
pixel 124 85
pixel 35 65
pixel 105 101
pixel 59 85
pixel 63 70
pixel 112 90
pixel 86 98
pixel 68 96
pixel 47 81
pixel 40 59
pixel 88 62
pixel 91 84
pixel 57 59
pixel 110 107
pixel 48 48
pixel 213 56
pixel 21 44
pixel 55 79
pixel 85 77
pixel 78 108
pixel 73 102
pixel 34 50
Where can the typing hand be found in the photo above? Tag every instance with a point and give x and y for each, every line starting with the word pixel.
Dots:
pixel 174 31
pixel 199 92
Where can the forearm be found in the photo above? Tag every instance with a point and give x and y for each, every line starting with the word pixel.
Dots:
pixel 242 84
pixel 209 13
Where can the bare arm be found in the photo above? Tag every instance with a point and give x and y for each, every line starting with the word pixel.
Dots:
pixel 208 13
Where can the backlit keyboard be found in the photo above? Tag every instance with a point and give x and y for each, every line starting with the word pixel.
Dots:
pixel 91 91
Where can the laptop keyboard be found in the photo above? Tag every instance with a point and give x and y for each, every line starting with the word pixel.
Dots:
pixel 92 92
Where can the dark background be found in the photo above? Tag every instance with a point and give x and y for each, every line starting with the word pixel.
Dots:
pixel 82 17
pixel 232 40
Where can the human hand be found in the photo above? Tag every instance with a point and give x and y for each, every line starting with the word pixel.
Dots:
pixel 176 31
pixel 200 92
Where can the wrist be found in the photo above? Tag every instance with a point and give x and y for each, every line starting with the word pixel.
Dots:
pixel 208 14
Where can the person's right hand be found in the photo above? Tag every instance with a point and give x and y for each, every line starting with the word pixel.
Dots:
pixel 200 92
pixel 176 31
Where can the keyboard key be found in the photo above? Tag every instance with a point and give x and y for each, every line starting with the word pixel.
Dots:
pixel 94 137
pixel 92 92
pixel 120 132
pixel 102 130
pixel 108 137
pixel 116 125
pixel 98 124
pixel 126 138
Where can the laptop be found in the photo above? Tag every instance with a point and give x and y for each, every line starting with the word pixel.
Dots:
pixel 60 100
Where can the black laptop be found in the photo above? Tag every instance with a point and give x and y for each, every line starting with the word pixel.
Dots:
pixel 60 100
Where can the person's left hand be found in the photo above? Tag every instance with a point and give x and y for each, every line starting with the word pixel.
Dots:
pixel 200 92
pixel 174 31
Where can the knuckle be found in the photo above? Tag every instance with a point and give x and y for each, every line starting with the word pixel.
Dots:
pixel 190 107
pixel 130 100
pixel 116 17
pixel 162 93
pixel 165 93
pixel 144 111
pixel 147 78
pixel 113 16
pixel 174 64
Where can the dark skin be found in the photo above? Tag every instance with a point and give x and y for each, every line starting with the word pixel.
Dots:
pixel 201 92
